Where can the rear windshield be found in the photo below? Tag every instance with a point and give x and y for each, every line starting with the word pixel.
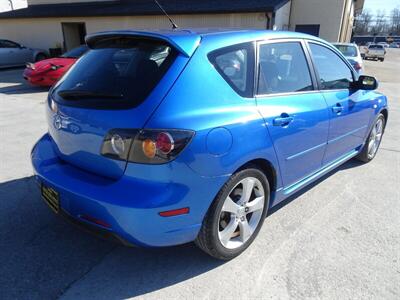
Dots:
pixel 350 51
pixel 76 52
pixel 116 73
pixel 375 47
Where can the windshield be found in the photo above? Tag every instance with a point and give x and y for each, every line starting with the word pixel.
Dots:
pixel 76 52
pixel 119 72
pixel 346 50
pixel 375 47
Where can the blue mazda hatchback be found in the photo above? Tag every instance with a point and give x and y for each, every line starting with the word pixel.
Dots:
pixel 166 137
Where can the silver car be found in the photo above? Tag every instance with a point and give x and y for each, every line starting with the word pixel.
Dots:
pixel 13 54
pixel 352 54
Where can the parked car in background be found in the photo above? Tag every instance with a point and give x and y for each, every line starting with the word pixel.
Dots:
pixel 176 140
pixel 352 54
pixel 384 44
pixel 394 45
pixel 13 54
pixel 49 71
pixel 375 51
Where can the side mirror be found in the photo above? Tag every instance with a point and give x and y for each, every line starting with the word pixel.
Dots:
pixel 367 83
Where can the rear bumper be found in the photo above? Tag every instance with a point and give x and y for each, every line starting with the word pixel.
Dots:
pixel 131 204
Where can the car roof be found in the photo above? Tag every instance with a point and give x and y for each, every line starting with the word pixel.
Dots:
pixel 345 44
pixel 187 40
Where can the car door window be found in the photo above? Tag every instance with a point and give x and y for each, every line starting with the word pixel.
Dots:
pixel 9 44
pixel 282 68
pixel 236 65
pixel 333 71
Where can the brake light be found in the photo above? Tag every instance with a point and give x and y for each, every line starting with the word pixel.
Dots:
pixel 149 146
pixel 357 66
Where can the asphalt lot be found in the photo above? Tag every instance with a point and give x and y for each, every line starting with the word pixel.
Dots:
pixel 339 239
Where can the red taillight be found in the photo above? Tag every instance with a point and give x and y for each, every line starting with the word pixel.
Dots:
pixel 175 212
pixel 165 142
pixel 357 66
pixel 95 221
pixel 149 146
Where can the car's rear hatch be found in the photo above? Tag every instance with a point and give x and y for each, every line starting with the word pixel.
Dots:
pixel 117 84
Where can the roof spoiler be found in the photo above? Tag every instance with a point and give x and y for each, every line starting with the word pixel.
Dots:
pixel 183 41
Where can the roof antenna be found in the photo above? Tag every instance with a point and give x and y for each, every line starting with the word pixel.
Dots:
pixel 174 26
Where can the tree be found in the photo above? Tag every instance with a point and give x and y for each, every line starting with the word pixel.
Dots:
pixel 381 24
pixel 395 21
pixel 363 22
pixel 11 4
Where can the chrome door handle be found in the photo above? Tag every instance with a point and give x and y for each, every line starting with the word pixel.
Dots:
pixel 282 121
pixel 338 108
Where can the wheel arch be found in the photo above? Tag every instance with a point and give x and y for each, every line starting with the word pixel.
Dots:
pixel 267 167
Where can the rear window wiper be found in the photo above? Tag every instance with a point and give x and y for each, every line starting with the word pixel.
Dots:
pixel 78 94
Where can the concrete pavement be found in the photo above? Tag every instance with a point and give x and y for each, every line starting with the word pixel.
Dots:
pixel 339 238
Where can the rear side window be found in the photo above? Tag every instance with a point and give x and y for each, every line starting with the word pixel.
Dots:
pixel 117 73
pixel 333 71
pixel 236 65
pixel 282 69
pixel 350 51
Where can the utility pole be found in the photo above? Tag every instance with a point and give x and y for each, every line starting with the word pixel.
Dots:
pixel 11 4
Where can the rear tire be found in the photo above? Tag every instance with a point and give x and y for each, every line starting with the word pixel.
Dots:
pixel 40 57
pixel 232 222
pixel 382 59
pixel 373 141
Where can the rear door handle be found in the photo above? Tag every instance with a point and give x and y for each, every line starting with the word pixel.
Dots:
pixel 338 108
pixel 283 120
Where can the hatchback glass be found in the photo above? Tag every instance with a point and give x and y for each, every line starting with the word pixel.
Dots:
pixel 117 73
pixel 349 51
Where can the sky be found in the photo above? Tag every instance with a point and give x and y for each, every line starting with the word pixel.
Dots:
pixel 387 5
pixel 5 4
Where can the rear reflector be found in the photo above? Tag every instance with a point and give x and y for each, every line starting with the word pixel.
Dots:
pixel 175 212
pixel 95 221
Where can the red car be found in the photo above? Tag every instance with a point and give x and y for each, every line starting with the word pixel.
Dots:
pixel 47 72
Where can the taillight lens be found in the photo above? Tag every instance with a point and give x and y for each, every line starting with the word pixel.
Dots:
pixel 357 66
pixel 148 146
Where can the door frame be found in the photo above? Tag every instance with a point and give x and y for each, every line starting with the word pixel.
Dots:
pixel 71 23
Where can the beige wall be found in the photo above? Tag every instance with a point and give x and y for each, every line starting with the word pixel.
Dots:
pixel 282 17
pixel 47 33
pixel 327 13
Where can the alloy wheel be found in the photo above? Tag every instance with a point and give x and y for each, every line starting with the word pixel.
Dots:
pixel 375 138
pixel 241 213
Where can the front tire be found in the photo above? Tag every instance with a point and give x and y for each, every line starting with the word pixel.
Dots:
pixel 373 141
pixel 236 215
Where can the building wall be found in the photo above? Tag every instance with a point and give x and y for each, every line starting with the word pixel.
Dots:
pixel 327 13
pixel 282 16
pixel 47 33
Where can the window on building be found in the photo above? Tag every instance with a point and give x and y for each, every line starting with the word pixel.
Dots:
pixel 282 69
pixel 333 71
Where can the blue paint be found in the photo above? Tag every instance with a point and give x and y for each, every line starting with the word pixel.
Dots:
pixel 230 131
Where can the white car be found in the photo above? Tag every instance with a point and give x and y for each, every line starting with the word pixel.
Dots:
pixel 352 54
pixel 375 51
pixel 13 54
pixel 385 45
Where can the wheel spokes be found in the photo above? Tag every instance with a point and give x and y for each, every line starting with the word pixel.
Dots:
pixel 230 206
pixel 245 230
pixel 256 204
pixel 248 185
pixel 226 234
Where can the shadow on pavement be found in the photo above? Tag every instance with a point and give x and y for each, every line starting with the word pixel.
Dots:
pixel 42 255
pixel 12 83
